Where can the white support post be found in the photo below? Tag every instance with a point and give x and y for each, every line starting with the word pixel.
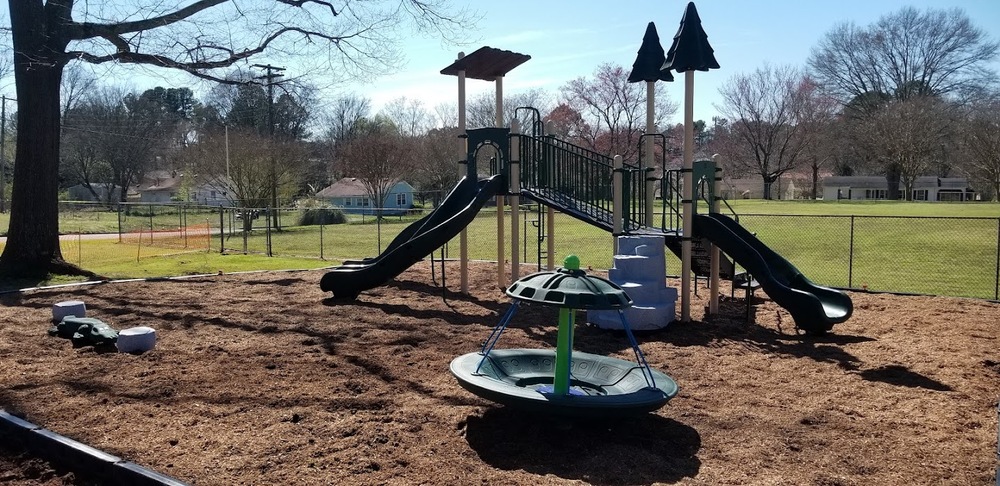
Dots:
pixel 515 188
pixel 501 250
pixel 687 194
pixel 463 170
pixel 713 293
pixel 648 175
pixel 616 201
pixel 550 238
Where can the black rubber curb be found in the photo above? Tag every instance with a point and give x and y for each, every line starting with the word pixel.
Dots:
pixel 77 456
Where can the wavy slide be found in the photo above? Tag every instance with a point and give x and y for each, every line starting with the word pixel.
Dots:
pixel 814 308
pixel 415 242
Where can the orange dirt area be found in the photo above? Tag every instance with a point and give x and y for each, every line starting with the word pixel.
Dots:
pixel 261 379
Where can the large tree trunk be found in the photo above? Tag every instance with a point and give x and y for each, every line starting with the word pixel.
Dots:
pixel 815 181
pixel 892 174
pixel 32 248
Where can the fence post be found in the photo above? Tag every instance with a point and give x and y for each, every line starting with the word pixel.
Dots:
pixel 321 237
pixel 850 259
pixel 996 286
pixel 119 222
pixel 222 229
pixel 269 251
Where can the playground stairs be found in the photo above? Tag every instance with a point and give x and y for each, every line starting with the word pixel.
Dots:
pixel 639 269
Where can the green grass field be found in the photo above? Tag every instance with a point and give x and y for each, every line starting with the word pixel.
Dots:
pixel 951 252
pixel 866 208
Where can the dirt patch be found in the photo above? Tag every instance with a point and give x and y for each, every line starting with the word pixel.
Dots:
pixel 260 378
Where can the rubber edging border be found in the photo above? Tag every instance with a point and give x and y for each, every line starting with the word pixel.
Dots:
pixel 78 456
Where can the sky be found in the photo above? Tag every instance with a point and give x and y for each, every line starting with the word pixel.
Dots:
pixel 569 39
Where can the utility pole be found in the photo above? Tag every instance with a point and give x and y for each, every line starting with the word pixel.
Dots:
pixel 3 153
pixel 272 74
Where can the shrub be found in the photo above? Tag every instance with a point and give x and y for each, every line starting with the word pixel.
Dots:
pixel 316 216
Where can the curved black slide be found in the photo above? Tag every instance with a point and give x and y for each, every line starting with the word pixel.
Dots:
pixel 814 308
pixel 415 242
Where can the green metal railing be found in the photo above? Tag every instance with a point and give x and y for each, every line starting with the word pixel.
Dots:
pixel 670 194
pixel 579 180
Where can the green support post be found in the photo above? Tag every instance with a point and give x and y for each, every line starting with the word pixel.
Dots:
pixel 564 342
pixel 564 352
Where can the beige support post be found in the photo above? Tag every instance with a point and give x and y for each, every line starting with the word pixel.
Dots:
pixel 515 188
pixel 713 293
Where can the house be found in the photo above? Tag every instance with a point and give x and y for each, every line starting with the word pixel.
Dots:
pixel 350 195
pixel 80 192
pixel 160 186
pixel 925 188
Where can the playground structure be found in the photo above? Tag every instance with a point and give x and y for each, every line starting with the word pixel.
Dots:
pixel 575 181
pixel 562 382
pixel 597 189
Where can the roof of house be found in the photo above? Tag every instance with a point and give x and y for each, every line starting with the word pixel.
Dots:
pixel 350 187
pixel 164 180
pixel 160 180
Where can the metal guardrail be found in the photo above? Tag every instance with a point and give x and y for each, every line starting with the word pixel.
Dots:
pixel 577 179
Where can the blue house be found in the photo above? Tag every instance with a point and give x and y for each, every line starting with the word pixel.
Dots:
pixel 350 195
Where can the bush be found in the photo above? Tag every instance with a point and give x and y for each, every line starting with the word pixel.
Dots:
pixel 316 216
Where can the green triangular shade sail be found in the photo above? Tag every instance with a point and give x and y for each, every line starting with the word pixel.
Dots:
pixel 690 50
pixel 570 287
pixel 649 59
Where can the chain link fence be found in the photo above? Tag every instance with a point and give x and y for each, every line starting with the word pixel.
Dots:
pixel 921 255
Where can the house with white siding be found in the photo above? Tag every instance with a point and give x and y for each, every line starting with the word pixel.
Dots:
pixel 160 186
pixel 874 188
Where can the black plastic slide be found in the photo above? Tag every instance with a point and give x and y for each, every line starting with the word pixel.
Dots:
pixel 814 308
pixel 415 242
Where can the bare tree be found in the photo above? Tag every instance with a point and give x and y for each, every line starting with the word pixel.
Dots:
pixel 345 114
pixel 116 134
pixel 409 115
pixel 378 156
pixel 435 162
pixel 981 141
pixel 482 109
pixel 816 115
pixel 769 132
pixel 237 163
pixel 614 110
pixel 905 53
pixel 446 114
pixel 76 84
pixel 905 139
pixel 201 37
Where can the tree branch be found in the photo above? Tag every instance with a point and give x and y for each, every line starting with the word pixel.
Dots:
pixel 300 3
pixel 81 31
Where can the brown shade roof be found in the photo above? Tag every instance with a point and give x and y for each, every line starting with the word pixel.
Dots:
pixel 487 63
